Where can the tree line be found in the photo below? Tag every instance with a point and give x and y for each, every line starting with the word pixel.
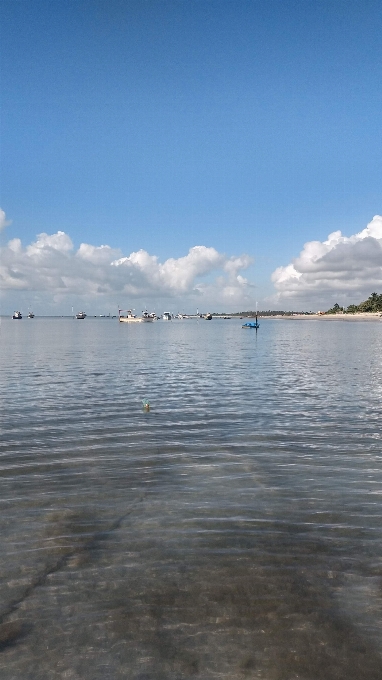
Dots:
pixel 372 304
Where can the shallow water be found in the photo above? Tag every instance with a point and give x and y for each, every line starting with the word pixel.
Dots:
pixel 232 531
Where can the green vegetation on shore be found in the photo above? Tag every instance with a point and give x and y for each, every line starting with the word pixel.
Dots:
pixel 372 304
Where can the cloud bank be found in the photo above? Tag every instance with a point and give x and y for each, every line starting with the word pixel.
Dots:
pixel 343 269
pixel 51 266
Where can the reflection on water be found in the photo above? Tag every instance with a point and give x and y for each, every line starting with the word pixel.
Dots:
pixel 231 531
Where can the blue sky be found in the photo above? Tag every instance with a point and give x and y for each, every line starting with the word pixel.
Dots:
pixel 247 127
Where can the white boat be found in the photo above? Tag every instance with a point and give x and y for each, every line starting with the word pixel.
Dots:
pixel 30 315
pixel 81 315
pixel 166 316
pixel 17 315
pixel 127 316
pixel 146 317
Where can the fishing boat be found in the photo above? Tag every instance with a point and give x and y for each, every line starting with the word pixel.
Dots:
pixel 127 316
pixel 17 315
pixel 81 315
pixel 146 317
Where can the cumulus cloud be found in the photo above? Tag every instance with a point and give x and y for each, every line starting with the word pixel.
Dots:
pixel 342 268
pixel 174 275
pixel 52 265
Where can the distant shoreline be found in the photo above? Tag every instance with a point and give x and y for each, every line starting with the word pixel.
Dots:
pixel 358 316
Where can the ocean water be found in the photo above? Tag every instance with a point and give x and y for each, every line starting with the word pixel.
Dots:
pixel 232 531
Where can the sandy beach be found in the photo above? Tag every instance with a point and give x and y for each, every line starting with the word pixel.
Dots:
pixel 360 316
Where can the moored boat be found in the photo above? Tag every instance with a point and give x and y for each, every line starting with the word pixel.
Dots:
pixel 30 315
pixel 81 315
pixel 129 318
pixel 208 316
pixel 166 316
pixel 252 324
pixel 17 315
pixel 146 317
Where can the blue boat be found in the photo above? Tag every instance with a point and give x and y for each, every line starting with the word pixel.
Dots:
pixel 252 324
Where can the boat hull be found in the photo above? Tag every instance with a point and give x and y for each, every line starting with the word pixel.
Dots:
pixel 131 318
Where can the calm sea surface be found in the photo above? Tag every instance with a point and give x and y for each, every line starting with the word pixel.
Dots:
pixel 233 531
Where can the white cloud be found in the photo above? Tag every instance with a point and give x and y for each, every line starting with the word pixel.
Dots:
pixel 52 267
pixel 3 220
pixel 97 254
pixel 46 243
pixel 176 276
pixel 343 269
